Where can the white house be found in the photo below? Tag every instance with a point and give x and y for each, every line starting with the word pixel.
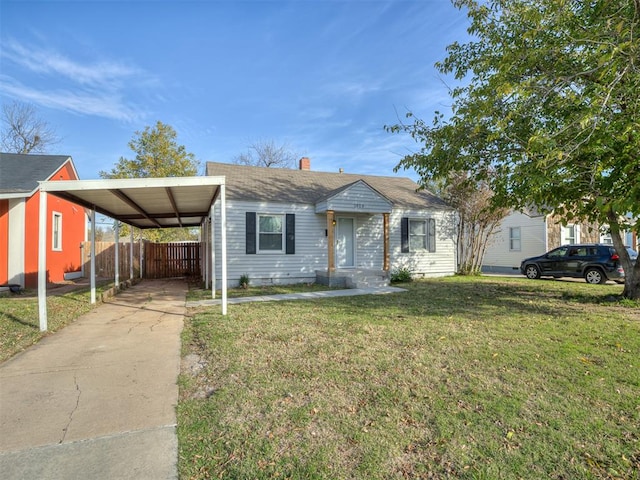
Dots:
pixel 530 233
pixel 298 225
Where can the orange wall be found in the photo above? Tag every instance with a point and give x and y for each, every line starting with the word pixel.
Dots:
pixel 73 234
pixel 4 241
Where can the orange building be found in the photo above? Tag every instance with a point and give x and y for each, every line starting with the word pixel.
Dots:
pixel 19 218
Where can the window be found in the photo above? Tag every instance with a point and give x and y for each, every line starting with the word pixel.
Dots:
pixel 558 253
pixel 568 235
pixel 417 235
pixel 270 233
pixel 56 232
pixel 514 239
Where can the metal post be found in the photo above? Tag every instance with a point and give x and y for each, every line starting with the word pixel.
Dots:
pixel 93 255
pixel 206 254
pixel 213 251
pixel 131 253
pixel 223 246
pixel 116 269
pixel 42 262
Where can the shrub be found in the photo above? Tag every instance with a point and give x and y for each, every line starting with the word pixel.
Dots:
pixel 401 275
pixel 244 280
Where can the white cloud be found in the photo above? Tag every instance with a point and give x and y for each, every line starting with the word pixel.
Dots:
pixel 96 88
pixel 50 62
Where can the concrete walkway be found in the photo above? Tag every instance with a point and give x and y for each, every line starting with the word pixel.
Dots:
pixel 97 399
pixel 301 296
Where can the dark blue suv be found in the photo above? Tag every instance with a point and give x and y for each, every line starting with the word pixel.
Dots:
pixel 594 262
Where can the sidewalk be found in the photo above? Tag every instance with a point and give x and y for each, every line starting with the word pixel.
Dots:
pixel 97 399
pixel 301 296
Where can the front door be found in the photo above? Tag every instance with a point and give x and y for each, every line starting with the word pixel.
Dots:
pixel 345 243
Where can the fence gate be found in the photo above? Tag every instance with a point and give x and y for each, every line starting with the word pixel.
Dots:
pixel 166 260
pixel 161 260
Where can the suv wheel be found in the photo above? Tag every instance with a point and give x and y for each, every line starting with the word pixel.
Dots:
pixel 594 276
pixel 532 272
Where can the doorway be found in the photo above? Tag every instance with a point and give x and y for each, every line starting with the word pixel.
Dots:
pixel 345 242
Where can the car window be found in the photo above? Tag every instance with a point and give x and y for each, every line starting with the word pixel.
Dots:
pixel 558 252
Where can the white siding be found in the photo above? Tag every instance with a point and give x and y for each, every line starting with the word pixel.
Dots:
pixel 262 268
pixel 440 263
pixel 311 245
pixel 357 198
pixel 15 260
pixel 500 258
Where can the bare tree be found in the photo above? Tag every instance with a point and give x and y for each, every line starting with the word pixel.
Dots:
pixel 478 219
pixel 266 153
pixel 24 131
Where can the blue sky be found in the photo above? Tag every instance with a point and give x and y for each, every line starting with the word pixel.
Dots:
pixel 322 76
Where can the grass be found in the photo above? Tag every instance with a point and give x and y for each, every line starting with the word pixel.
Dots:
pixel 19 321
pixel 478 378
pixel 198 293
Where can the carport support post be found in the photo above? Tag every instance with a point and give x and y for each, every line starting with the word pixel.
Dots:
pixel 206 253
pixel 92 272
pixel 116 267
pixel 42 262
pixel 203 260
pixel 213 251
pixel 223 246
pixel 131 253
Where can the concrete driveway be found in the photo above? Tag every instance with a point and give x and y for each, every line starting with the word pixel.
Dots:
pixel 97 399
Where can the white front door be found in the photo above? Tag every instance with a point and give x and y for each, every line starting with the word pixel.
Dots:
pixel 345 243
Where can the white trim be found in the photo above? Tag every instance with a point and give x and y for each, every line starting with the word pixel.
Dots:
pixel 42 262
pixel 283 237
pixel 512 238
pixel 426 234
pixel 92 271
pixel 223 244
pixel 56 228
pixel 115 184
pixel 16 241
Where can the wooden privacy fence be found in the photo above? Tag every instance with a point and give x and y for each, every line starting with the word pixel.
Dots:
pixel 105 259
pixel 159 260
pixel 166 260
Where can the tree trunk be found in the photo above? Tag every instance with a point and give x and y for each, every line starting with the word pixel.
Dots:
pixel 631 272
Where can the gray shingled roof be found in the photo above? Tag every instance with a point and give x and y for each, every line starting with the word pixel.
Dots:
pixel 20 173
pixel 308 186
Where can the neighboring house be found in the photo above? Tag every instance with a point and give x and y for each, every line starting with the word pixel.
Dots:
pixel 298 225
pixel 530 233
pixel 19 218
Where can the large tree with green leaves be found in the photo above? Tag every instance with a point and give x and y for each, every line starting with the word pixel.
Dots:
pixel 157 155
pixel 548 113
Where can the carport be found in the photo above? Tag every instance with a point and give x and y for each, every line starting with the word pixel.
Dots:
pixel 143 203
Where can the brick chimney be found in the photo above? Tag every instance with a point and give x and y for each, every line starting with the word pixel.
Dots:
pixel 305 163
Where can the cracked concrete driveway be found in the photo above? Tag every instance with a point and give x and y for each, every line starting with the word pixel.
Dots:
pixel 97 399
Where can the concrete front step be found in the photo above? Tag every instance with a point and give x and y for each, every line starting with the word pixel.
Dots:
pixel 363 282
pixel 353 278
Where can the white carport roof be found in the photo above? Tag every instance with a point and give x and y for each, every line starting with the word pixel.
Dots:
pixel 144 203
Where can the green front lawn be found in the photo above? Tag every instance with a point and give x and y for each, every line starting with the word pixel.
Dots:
pixel 480 378
pixel 19 320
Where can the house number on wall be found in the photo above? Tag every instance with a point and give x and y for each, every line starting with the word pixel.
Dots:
pixel 358 206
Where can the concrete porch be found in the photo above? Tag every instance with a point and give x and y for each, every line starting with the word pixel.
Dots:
pixel 353 278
